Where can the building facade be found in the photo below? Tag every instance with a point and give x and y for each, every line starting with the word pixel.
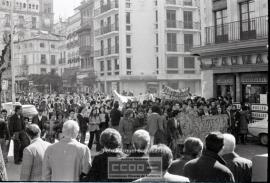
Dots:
pixel 234 50
pixel 36 55
pixel 142 45
pixel 86 74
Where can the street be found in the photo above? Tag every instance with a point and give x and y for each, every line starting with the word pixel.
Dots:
pixel 248 151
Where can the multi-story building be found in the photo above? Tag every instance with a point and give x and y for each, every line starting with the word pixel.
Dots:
pixel 177 31
pixel 29 17
pixel 142 45
pixel 36 55
pixel 234 50
pixel 86 74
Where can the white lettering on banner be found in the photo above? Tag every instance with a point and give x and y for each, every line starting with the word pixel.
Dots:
pixel 259 108
pixel 259 115
pixel 171 93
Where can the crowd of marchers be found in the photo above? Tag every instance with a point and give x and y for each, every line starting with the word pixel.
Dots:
pixel 120 133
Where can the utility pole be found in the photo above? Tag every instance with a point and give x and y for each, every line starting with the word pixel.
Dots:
pixel 12 53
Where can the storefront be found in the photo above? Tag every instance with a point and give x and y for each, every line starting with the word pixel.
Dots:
pixel 225 85
pixel 253 85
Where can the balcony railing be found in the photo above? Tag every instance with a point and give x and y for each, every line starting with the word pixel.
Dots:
pixel 107 51
pixel 174 2
pixel 179 47
pixel 106 29
pixel 236 31
pixel 182 25
pixel 113 4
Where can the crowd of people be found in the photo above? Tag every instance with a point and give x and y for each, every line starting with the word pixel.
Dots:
pixel 150 128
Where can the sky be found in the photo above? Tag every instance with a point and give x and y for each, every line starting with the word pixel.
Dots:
pixel 64 8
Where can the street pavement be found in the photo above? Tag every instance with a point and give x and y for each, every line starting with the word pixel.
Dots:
pixel 247 151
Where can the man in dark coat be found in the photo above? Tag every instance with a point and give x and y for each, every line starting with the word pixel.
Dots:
pixel 240 167
pixel 210 167
pixel 40 120
pixel 115 116
pixel 17 132
pixel 83 124
pixel 192 149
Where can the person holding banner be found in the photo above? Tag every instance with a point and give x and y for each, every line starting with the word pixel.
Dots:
pixel 3 172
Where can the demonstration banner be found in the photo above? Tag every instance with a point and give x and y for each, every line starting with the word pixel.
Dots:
pixel 121 99
pixel 200 127
pixel 171 93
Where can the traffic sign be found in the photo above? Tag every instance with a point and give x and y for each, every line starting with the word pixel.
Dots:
pixel 4 84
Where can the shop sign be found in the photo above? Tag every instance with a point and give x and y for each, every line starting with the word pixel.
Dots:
pixel 259 108
pixel 254 79
pixel 259 115
pixel 263 98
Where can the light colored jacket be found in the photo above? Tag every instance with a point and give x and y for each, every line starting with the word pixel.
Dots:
pixel 32 160
pixel 154 122
pixel 66 160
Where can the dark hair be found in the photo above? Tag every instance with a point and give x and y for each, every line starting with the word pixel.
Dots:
pixel 110 138
pixel 17 108
pixel 80 109
pixel 116 105
pixel 214 141
pixel 156 109
pixel 33 131
pixel 3 110
pixel 193 146
pixel 161 151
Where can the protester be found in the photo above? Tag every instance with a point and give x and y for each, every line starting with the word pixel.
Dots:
pixel 243 125
pixel 83 124
pixel 240 167
pixel 104 119
pixel 192 150
pixel 17 132
pixel 4 138
pixel 94 122
pixel 115 116
pixel 40 120
pixel 155 124
pixel 3 172
pixel 111 142
pixel 126 129
pixel 210 167
pixel 66 160
pixel 33 155
pixel 161 174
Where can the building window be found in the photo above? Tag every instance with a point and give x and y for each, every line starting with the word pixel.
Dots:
pixel 188 42
pixel 34 22
pixel 7 20
pixel 171 42
pixel 187 2
pixel 156 16
pixel 116 65
pixel 221 26
pixel 53 60
pixel 128 40
pixel 171 18
pixel 173 84
pixel 24 5
pixel 109 65
pixel 189 65
pixel 172 65
pixel 128 17
pixel 53 71
pixel 29 6
pixel 188 20
pixel 157 64
pixel 109 46
pixel 101 66
pixel 42 45
pixel 43 71
pixel 36 7
pixel 247 18
pixel 101 48
pixel 52 46
pixel 128 63
pixel 43 59
pixel 25 60
pixel 21 21
pixel 128 4
pixel 116 44
pixel 156 39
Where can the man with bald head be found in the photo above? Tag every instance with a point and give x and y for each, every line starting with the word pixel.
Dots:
pixel 240 167
pixel 33 155
pixel 68 159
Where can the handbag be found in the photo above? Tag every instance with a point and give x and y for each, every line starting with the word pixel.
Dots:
pixel 11 149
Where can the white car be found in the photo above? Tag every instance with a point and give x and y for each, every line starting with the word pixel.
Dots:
pixel 260 129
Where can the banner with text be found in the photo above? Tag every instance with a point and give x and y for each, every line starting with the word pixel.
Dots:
pixel 170 93
pixel 194 126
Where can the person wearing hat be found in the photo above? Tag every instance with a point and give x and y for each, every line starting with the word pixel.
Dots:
pixel 210 167
pixel 126 129
pixel 40 120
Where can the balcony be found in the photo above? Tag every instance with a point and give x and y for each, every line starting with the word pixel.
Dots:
pixel 107 51
pixel 106 29
pixel 113 4
pixel 176 24
pixel 255 28
pixel 179 47
pixel 86 50
pixel 174 2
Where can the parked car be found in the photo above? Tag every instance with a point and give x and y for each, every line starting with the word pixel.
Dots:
pixel 260 129
pixel 28 110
